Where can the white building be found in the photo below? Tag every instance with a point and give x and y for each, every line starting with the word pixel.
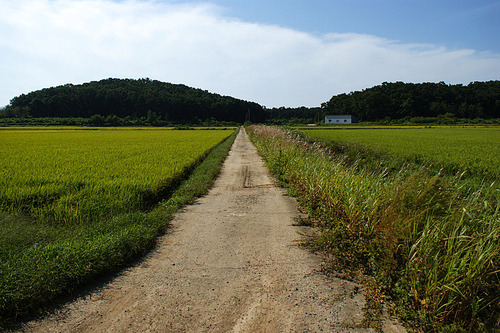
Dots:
pixel 340 119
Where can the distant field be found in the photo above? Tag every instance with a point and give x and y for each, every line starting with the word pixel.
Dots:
pixel 70 176
pixel 473 148
pixel 120 128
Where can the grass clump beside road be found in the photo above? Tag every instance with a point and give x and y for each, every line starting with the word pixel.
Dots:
pixel 423 238
pixel 40 261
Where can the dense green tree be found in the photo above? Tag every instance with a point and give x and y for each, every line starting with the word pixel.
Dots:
pixel 114 102
pixel 409 100
pixel 301 115
pixel 144 98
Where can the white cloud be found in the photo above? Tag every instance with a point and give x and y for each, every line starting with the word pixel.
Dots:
pixel 50 42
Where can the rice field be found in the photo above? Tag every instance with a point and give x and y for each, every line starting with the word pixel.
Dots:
pixel 476 149
pixel 72 176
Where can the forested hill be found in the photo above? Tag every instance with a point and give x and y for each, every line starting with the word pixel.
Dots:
pixel 143 98
pixel 407 100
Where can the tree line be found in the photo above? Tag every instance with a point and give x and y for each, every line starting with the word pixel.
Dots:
pixel 122 102
pixel 128 100
pixel 419 101
pixel 299 115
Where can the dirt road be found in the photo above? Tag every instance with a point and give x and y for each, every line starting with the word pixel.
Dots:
pixel 230 264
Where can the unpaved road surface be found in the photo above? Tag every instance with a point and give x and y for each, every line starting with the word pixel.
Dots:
pixel 230 264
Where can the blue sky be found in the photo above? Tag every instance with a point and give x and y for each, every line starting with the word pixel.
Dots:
pixel 454 23
pixel 273 52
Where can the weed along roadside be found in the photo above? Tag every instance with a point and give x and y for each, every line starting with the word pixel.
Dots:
pixel 426 245
pixel 43 256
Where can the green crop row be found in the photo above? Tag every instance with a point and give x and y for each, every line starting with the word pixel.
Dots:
pixel 475 149
pixel 79 204
pixel 430 244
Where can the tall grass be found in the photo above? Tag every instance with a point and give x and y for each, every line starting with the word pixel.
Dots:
pixel 430 243
pixel 41 259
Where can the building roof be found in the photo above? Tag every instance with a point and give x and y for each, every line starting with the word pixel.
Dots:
pixel 339 116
